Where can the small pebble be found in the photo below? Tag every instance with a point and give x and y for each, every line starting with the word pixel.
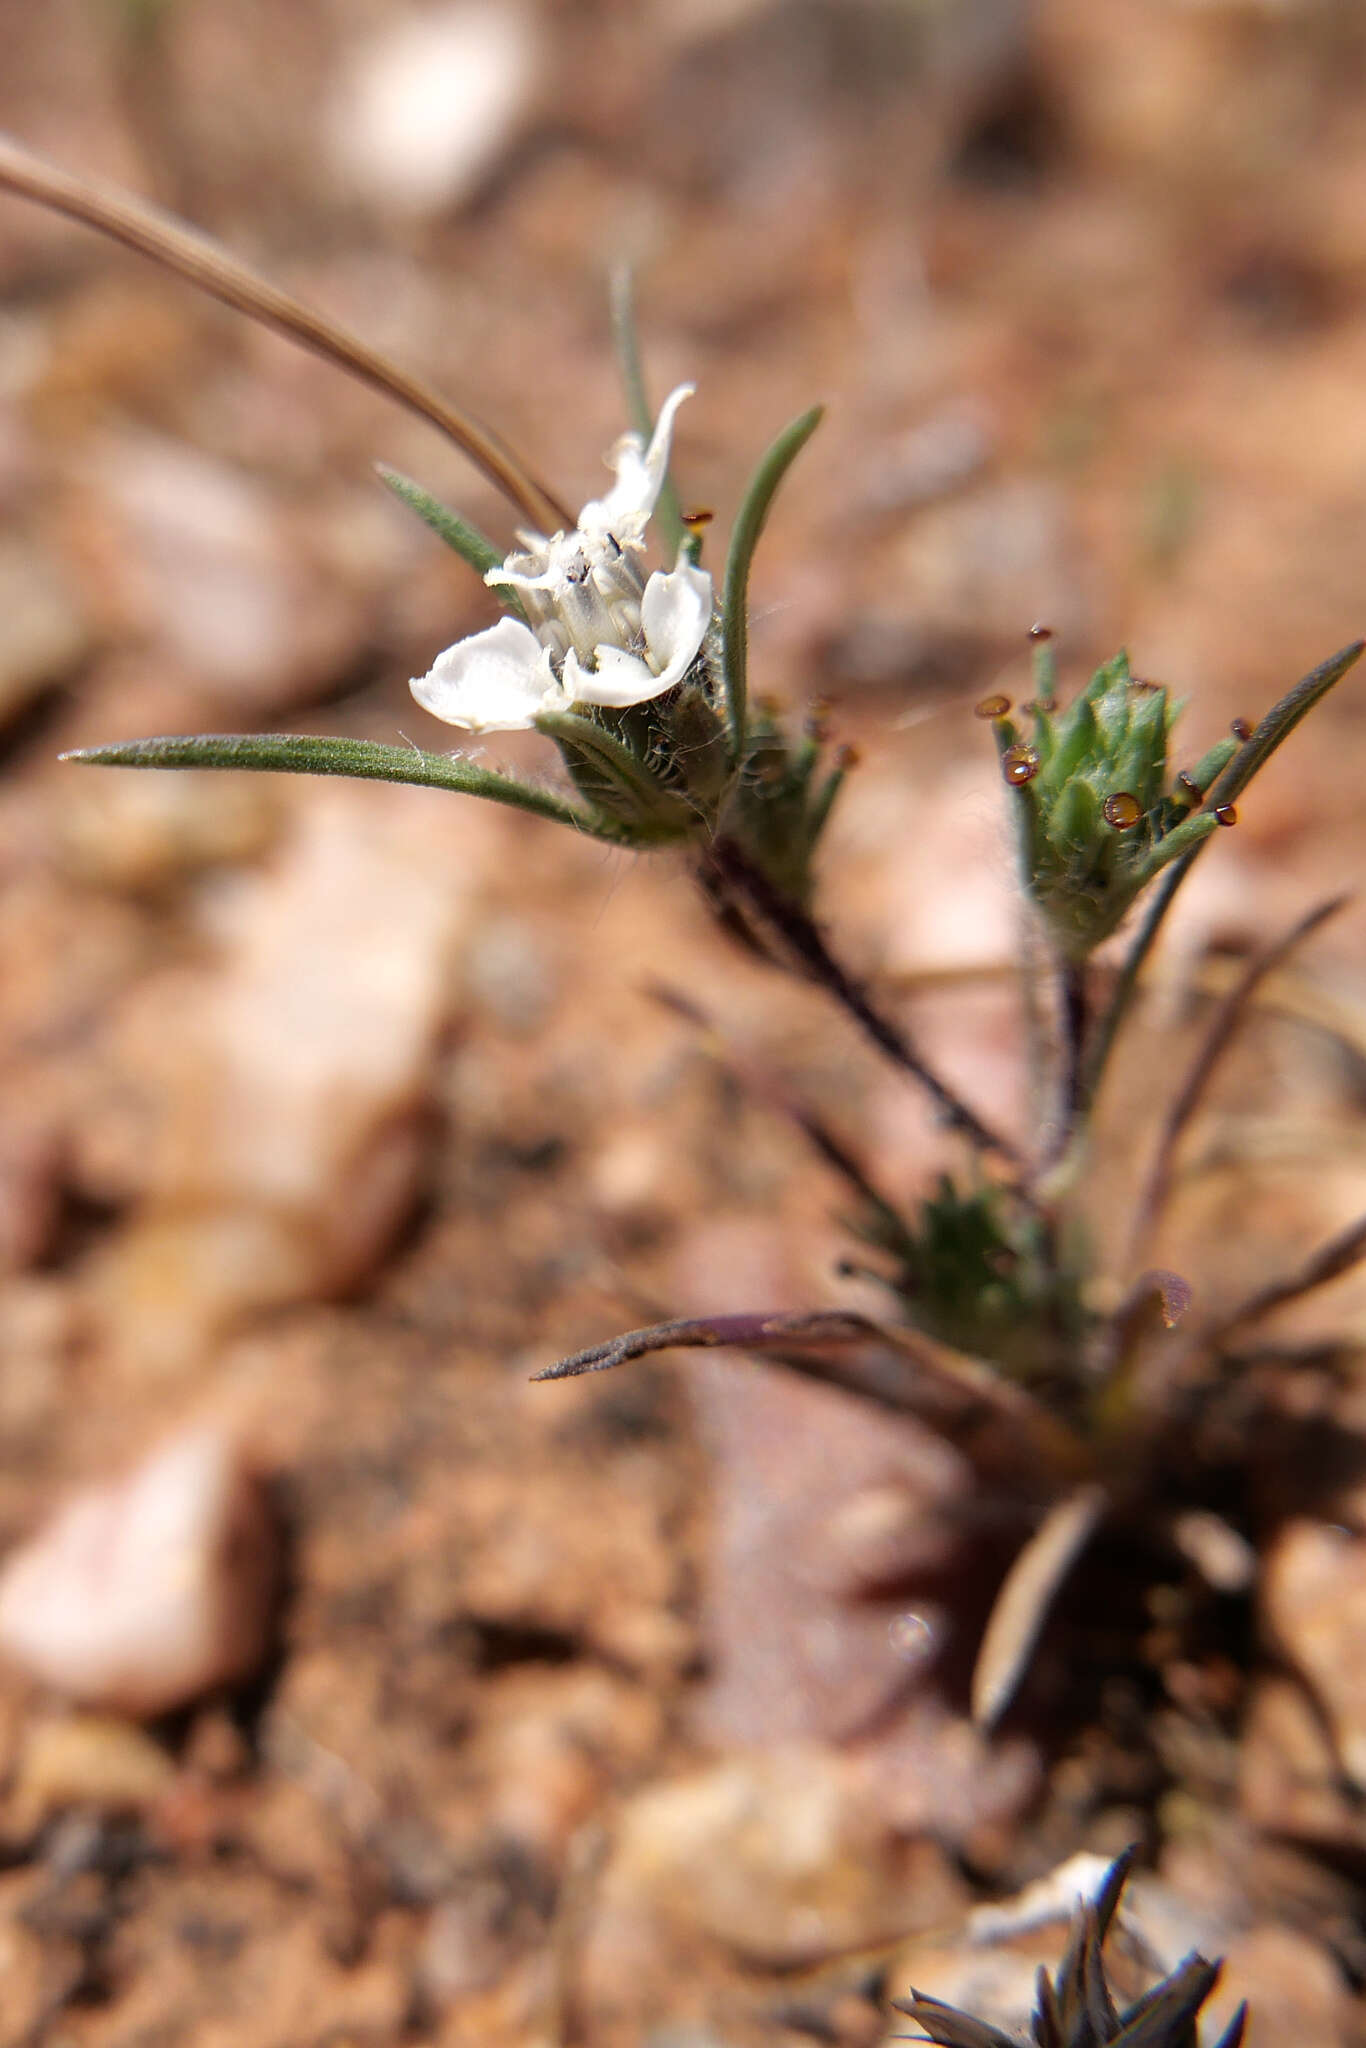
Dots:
pixel 87 1760
pixel 142 1594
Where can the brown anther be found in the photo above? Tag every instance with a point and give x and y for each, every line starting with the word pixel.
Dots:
pixel 995 706
pixel 1039 631
pixel 1121 810
pixel 1225 814
pixel 1190 788
pixel 1241 729
pixel 703 516
pixel 847 757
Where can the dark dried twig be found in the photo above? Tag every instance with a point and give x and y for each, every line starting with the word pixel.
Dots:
pixel 769 1088
pixel 212 270
pixel 901 1370
pixel 1219 1034
pixel 796 938
pixel 1027 1593
pixel 1331 1260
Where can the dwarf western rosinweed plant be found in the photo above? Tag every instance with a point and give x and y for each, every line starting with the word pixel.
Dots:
pixel 619 646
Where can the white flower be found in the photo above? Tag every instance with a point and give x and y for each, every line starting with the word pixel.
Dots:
pixel 598 631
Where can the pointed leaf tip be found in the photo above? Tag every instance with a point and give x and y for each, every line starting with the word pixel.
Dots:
pixel 749 524
pixel 361 760
pixel 467 541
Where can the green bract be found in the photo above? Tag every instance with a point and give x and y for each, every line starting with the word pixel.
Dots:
pixel 974 1269
pixel 777 804
pixel 657 769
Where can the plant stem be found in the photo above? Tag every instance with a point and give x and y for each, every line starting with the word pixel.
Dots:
pixel 1336 1257
pixel 799 939
pixel 1074 1017
pixel 768 1087
pixel 1218 1036
pixel 900 1369
pixel 1030 971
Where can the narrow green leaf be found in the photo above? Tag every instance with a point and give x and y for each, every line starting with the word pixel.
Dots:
pixel 1077 736
pixel 306 754
pixel 626 342
pixel 1044 738
pixel 1280 721
pixel 744 539
pixel 1023 804
pixel 457 533
pixel 1044 671
pixel 823 802
pixel 1182 841
pixel 1255 752
pixel 668 515
pixel 1213 763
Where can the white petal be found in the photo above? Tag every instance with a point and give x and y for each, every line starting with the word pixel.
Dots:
pixel 520 579
pixel 618 680
pixel 640 477
pixel 534 556
pixel 495 681
pixel 543 570
pixel 673 615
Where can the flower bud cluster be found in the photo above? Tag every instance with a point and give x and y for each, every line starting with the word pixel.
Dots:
pixel 1099 816
pixel 973 1271
pixel 777 805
